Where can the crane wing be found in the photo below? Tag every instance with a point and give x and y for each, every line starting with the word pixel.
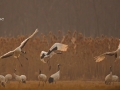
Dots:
pixel 56 75
pixel 10 53
pixel 102 56
pixel 25 41
pixel 58 46
pixel 42 55
pixel 51 54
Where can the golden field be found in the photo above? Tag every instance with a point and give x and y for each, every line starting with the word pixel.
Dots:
pixel 77 63
pixel 62 85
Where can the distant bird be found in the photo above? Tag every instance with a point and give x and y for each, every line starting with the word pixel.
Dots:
pixel 21 78
pixel 2 80
pixel 56 76
pixel 42 77
pixel 115 78
pixel 17 77
pixel 18 51
pixel 108 78
pixel 8 77
pixel 48 56
pixel 116 54
pixel 50 53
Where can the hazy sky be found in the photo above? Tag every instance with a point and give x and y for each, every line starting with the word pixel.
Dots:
pixel 91 17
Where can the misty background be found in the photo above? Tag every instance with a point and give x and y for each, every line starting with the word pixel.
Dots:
pixel 90 17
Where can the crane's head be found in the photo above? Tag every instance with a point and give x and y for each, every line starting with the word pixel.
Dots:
pixel 110 68
pixel 59 66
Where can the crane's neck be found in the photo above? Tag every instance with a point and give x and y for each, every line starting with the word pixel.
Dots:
pixel 110 73
pixel 40 72
pixel 58 67
pixel 14 74
pixel 110 70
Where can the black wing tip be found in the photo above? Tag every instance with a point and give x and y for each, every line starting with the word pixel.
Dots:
pixel 43 55
pixel 53 49
pixel 50 80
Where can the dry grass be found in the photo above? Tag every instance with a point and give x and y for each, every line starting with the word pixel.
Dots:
pixel 62 85
pixel 77 63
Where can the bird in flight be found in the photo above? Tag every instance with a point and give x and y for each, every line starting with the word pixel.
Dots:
pixel 18 51
pixel 115 53
pixel 50 53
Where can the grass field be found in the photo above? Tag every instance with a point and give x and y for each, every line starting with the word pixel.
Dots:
pixel 77 62
pixel 62 85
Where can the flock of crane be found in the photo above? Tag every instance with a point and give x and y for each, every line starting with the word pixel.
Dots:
pixel 54 77
pixel 41 77
pixel 110 77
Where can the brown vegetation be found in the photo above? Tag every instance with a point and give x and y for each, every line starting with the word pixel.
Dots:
pixel 77 63
pixel 61 85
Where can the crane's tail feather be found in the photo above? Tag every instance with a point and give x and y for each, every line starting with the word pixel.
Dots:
pixel 50 80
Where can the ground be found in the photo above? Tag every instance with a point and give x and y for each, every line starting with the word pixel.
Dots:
pixel 62 85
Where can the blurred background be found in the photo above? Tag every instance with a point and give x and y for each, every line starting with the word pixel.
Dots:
pixel 88 27
pixel 90 17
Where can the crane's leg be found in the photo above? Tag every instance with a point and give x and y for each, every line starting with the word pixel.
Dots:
pixel 43 83
pixel 19 62
pixel 23 55
pixel 39 83
pixel 14 63
pixel 48 62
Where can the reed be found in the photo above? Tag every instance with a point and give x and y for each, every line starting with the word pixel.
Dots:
pixel 77 63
